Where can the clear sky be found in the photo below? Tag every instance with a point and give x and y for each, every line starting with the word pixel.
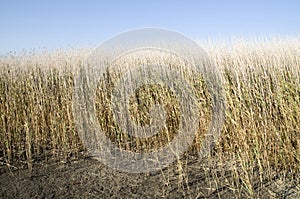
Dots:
pixel 37 24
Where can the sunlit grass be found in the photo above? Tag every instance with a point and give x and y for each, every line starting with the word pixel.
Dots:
pixel 261 130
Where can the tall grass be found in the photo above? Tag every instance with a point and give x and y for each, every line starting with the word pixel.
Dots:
pixel 261 130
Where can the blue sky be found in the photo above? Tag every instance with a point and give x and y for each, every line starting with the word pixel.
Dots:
pixel 35 24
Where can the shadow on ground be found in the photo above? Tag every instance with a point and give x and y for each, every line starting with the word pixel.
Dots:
pixel 85 177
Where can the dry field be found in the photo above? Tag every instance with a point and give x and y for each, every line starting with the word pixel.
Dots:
pixel 256 156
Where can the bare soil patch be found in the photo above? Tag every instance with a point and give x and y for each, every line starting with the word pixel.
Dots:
pixel 84 177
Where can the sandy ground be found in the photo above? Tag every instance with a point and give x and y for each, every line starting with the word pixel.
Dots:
pixel 84 177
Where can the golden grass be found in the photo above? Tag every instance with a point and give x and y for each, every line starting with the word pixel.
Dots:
pixel 262 126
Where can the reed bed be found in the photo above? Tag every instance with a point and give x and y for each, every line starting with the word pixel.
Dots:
pixel 261 130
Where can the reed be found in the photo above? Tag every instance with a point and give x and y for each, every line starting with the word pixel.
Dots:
pixel 261 130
